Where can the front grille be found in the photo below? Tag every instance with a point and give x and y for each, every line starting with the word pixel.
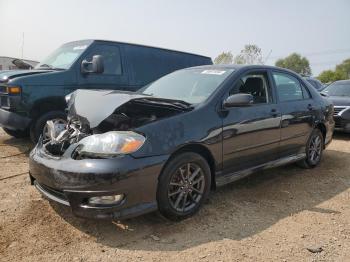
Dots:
pixel 3 89
pixel 338 123
pixel 4 102
pixel 338 109
pixel 3 96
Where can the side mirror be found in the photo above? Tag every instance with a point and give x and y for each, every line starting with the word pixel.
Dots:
pixel 238 100
pixel 324 94
pixel 95 66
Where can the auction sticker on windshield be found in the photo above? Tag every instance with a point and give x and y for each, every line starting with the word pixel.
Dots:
pixel 213 72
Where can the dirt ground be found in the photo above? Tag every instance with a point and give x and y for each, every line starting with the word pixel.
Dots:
pixel 275 215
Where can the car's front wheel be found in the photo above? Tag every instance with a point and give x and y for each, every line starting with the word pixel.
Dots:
pixel 183 186
pixel 314 150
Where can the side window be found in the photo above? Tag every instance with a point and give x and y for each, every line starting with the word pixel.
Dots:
pixel 255 84
pixel 111 58
pixel 288 87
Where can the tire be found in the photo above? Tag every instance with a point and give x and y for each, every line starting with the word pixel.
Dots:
pixel 37 127
pixel 192 190
pixel 314 144
pixel 17 133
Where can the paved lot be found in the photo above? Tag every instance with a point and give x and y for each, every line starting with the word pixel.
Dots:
pixel 273 215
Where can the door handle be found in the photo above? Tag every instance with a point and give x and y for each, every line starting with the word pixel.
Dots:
pixel 274 112
pixel 310 107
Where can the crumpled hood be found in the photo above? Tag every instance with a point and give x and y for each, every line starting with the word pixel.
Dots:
pixel 93 106
pixel 340 100
pixel 7 75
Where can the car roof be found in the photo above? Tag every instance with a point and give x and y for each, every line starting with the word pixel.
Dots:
pixel 237 67
pixel 343 81
pixel 127 43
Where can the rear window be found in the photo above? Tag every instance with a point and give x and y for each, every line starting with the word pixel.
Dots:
pixel 148 64
pixel 288 87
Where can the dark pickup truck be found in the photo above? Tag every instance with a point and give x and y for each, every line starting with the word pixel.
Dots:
pixel 29 98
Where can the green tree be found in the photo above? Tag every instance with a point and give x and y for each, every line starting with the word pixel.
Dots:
pixel 343 69
pixel 250 54
pixel 224 58
pixel 327 76
pixel 341 72
pixel 295 62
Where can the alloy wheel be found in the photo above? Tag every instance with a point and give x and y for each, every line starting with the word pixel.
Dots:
pixel 315 149
pixel 186 187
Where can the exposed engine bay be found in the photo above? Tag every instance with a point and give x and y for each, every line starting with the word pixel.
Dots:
pixel 138 110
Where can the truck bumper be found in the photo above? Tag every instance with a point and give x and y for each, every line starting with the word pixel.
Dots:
pixel 13 121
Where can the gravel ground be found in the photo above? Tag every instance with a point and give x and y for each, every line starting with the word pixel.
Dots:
pixel 283 214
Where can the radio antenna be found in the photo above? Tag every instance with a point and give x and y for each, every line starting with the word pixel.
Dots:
pixel 22 44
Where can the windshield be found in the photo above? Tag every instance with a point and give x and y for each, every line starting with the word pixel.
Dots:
pixel 190 85
pixel 338 89
pixel 64 57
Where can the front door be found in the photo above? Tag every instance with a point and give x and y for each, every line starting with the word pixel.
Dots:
pixel 251 134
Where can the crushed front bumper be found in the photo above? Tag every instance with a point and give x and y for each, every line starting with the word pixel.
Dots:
pixel 72 182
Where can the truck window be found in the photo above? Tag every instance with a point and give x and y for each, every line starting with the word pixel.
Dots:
pixel 111 58
pixel 148 64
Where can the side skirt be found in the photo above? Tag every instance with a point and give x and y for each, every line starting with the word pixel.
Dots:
pixel 223 179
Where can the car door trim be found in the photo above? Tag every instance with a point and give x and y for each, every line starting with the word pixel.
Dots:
pixel 223 179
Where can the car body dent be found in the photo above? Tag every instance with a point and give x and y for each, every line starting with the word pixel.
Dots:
pixel 105 102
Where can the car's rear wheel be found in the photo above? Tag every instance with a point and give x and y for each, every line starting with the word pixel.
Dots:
pixel 183 186
pixel 16 133
pixel 314 150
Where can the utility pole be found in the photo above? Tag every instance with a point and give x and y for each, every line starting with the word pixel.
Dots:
pixel 22 44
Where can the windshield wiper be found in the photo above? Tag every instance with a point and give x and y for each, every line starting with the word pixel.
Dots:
pixel 50 67
pixel 179 104
pixel 46 66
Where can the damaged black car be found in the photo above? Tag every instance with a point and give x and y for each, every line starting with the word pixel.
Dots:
pixel 123 154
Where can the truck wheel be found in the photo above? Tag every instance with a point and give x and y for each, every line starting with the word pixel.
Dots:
pixel 183 186
pixel 17 133
pixel 38 126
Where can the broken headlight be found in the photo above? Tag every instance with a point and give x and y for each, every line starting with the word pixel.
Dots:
pixel 110 144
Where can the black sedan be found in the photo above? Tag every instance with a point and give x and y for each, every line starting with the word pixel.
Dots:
pixel 339 94
pixel 166 147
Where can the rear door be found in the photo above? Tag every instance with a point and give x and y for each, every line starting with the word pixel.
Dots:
pixel 251 134
pixel 115 73
pixel 298 112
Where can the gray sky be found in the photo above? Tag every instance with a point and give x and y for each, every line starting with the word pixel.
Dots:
pixel 318 29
